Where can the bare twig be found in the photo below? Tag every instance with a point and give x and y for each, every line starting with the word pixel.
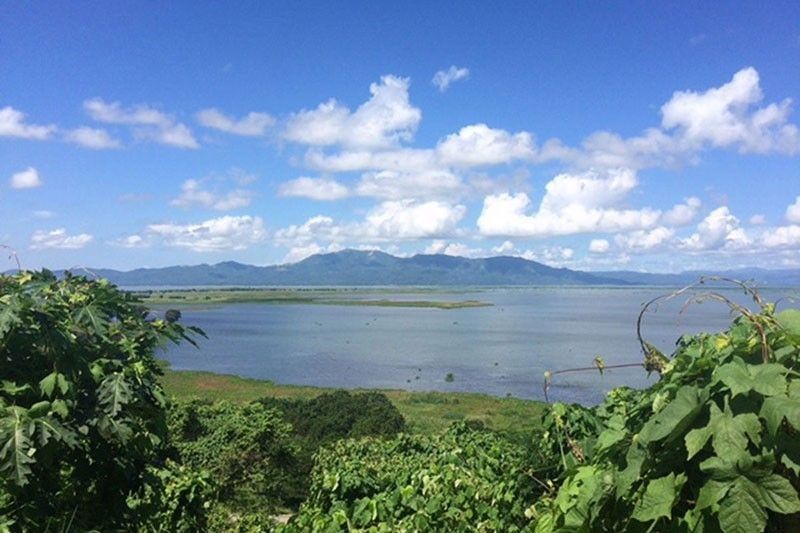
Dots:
pixel 12 255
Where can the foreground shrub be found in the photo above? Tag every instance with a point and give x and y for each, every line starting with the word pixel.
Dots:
pixel 82 416
pixel 712 446
pixel 247 448
pixel 329 417
pixel 465 479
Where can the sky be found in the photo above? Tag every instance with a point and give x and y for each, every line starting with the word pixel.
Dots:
pixel 590 135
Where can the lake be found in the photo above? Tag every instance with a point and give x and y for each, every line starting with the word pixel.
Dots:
pixel 498 350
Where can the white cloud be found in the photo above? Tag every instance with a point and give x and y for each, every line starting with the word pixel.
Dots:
pixel 149 123
pixel 252 124
pixel 193 194
pixel 43 213
pixel 599 246
pixel 391 184
pixel 92 138
pixel 573 203
pixel 725 116
pixel 298 253
pixel 758 220
pixel 645 240
pixel 214 235
pixel 12 124
pixel 793 211
pixel 131 241
pixel 315 188
pixel 443 78
pixel 455 249
pixel 503 249
pixel 26 179
pixel 682 214
pixel 719 229
pixel 386 222
pixel 58 238
pixel 384 120
pixel 478 144
pixel 782 237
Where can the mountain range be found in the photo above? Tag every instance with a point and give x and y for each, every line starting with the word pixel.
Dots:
pixel 354 267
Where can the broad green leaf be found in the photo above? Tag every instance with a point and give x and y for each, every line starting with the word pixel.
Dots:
pixel 113 393
pixel 790 321
pixel 15 455
pixel 658 498
pixel 741 378
pixel 675 417
pixel 778 494
pixel 776 408
pixel 696 439
pixel 729 434
pixel 54 381
pixel 9 315
pixel 740 510
pixel 711 493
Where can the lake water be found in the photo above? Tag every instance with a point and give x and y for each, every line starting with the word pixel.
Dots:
pixel 499 350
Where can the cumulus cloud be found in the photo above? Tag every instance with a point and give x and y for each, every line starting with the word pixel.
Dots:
pixel 758 220
pixel 194 194
pixel 148 123
pixel 443 78
pixel 131 241
pixel 58 238
pixel 314 188
pixel 298 253
pixel 391 184
pixel 572 203
pixel 719 229
pixel 599 246
pixel 645 240
pixel 793 211
pixel 26 179
pixel 478 144
pixel 728 116
pixel 388 221
pixel 782 237
pixel 92 138
pixel 251 125
pixel 682 214
pixel 12 124
pixel 214 235
pixel 383 121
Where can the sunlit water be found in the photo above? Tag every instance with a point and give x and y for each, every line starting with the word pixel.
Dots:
pixel 499 350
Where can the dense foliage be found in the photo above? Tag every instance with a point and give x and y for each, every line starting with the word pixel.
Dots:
pixel 82 416
pixel 465 479
pixel 326 418
pixel 712 446
pixel 247 448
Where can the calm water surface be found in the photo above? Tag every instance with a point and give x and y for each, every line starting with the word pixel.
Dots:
pixel 499 350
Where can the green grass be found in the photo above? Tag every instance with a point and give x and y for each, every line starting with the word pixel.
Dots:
pixel 425 412
pixel 296 296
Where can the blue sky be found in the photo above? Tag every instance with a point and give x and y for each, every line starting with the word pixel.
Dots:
pixel 636 136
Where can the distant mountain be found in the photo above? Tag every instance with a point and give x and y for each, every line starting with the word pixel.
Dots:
pixel 759 276
pixel 353 267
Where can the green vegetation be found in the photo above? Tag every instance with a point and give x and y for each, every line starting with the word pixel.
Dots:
pixel 466 479
pixel 424 412
pixel 297 296
pixel 82 414
pixel 88 440
pixel 712 446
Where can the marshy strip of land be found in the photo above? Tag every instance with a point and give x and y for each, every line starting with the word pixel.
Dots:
pixel 357 297
pixel 424 412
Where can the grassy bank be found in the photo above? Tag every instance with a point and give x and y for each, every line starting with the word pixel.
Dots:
pixel 425 412
pixel 296 296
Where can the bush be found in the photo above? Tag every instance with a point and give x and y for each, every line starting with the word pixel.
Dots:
pixel 461 480
pixel 712 446
pixel 248 448
pixel 82 416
